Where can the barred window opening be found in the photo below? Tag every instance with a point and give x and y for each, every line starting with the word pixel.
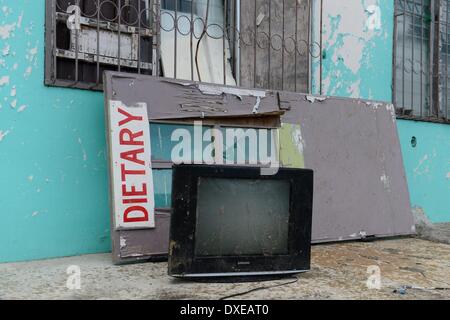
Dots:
pixel 252 43
pixel 421 59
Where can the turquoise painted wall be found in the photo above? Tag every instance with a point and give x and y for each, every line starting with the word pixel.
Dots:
pixel 53 173
pixel 53 168
pixel 53 177
pixel 357 62
pixel 427 166
pixel 357 49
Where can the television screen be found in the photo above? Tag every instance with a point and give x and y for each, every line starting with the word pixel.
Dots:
pixel 257 224
pixel 233 221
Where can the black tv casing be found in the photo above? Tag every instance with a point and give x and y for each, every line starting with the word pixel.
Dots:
pixel 182 259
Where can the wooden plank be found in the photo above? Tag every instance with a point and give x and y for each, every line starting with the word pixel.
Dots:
pixel 274 44
pixel 247 51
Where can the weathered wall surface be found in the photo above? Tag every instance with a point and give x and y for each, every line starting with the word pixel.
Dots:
pixel 53 178
pixel 357 40
pixel 426 153
pixel 357 48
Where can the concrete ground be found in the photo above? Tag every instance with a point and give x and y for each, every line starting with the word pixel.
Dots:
pixel 339 271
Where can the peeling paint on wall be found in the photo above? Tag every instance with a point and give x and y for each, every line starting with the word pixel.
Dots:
pixel 3 135
pixel 47 171
pixel 427 165
pixel 314 99
pixel 4 80
pixel 39 132
pixel 21 108
pixel 6 30
pixel 5 50
pixel 356 37
pixel 357 62
pixel 386 180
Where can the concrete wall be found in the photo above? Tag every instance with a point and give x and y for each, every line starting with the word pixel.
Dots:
pixel 53 186
pixel 53 178
pixel 357 40
pixel 357 48
pixel 427 166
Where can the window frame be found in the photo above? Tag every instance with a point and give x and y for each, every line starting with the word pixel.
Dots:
pixel 165 165
pixel 435 114
pixel 51 56
pixel 242 41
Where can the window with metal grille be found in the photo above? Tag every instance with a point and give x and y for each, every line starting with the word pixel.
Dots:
pixel 86 37
pixel 444 59
pixel 253 43
pixel 421 59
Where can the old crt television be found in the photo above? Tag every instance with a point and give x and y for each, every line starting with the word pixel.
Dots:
pixel 233 221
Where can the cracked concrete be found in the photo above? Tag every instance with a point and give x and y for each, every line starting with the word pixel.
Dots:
pixel 339 271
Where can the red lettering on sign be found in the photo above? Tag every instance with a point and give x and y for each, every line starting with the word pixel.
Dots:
pixel 126 172
pixel 129 118
pixel 135 209
pixel 132 153
pixel 134 192
pixel 134 201
pixel 132 156
pixel 128 138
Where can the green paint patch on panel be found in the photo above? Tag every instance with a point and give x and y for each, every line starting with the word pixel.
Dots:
pixel 291 146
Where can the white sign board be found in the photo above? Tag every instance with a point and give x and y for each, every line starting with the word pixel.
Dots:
pixel 131 176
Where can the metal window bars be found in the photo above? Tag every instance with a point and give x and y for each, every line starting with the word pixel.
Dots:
pixel 85 37
pixel 252 43
pixel 444 57
pixel 421 56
